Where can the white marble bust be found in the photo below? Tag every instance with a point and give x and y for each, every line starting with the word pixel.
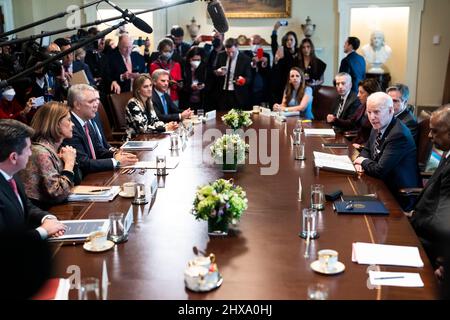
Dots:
pixel 376 53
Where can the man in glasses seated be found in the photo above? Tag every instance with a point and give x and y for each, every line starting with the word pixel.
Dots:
pixel 400 95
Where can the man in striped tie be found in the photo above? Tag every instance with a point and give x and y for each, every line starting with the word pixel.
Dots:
pixel 391 153
pixel 92 156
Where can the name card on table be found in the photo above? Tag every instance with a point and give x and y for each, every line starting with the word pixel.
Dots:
pixel 266 111
pixel 154 187
pixel 211 115
pixel 128 221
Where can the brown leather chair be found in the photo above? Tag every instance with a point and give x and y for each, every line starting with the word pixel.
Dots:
pixel 118 103
pixel 114 138
pixel 324 98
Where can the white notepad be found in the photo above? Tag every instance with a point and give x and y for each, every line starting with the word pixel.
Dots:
pixel 382 254
pixel 320 132
pixel 397 279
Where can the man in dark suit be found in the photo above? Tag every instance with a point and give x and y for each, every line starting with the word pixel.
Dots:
pixel 348 101
pixel 164 107
pixel 400 95
pixel 260 65
pixel 181 47
pixel 16 210
pixel 431 216
pixel 235 77
pixel 123 65
pixel 92 156
pixel 391 153
pixel 353 64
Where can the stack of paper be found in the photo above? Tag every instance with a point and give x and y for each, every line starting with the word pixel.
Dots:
pixel 398 279
pixel 340 163
pixel 94 193
pixel 139 145
pixel 171 163
pixel 369 253
pixel 320 132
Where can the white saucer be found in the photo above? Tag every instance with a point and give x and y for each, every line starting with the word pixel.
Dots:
pixel 208 286
pixel 125 195
pixel 108 245
pixel 317 267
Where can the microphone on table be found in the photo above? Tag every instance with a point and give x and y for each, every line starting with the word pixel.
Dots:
pixel 217 15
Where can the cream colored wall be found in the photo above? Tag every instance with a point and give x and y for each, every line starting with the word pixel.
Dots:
pixel 433 58
pixel 394 24
pixel 27 11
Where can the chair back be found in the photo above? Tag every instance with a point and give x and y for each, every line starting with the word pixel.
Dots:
pixel 118 104
pixel 424 144
pixel 325 98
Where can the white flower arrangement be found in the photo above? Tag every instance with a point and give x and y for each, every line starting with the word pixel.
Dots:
pixel 237 118
pixel 227 146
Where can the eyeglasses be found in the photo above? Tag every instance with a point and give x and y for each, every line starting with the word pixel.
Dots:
pixel 396 100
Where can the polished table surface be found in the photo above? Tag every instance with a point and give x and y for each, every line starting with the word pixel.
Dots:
pixel 263 258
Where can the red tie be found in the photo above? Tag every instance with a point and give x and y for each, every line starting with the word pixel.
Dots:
pixel 91 146
pixel 13 185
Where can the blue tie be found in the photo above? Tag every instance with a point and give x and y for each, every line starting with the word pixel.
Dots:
pixel 164 103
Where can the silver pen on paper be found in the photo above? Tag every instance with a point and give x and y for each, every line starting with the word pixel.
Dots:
pixel 387 278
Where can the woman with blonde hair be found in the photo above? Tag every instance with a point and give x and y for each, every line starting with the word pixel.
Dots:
pixel 50 171
pixel 140 114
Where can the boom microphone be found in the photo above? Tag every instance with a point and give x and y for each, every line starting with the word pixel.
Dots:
pixel 131 17
pixel 217 15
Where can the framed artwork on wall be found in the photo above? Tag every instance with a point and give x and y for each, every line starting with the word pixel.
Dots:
pixel 257 8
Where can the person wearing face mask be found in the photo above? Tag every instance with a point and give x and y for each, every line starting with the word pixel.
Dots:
pixel 10 108
pixel 260 71
pixel 165 61
pixel 285 57
pixel 194 79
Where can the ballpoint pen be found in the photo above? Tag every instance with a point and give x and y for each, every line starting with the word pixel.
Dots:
pixel 386 278
pixel 100 190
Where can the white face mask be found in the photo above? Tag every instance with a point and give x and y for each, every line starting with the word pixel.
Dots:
pixel 195 64
pixel 9 94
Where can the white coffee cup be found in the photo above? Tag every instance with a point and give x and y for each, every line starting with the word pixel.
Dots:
pixel 98 239
pixel 328 259
pixel 256 109
pixel 194 277
pixel 129 188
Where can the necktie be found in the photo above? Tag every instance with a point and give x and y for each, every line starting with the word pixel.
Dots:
pixel 91 146
pixel 341 108
pixel 377 144
pixel 128 64
pixel 227 78
pixel 164 103
pixel 13 185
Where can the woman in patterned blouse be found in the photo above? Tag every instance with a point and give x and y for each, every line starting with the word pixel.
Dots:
pixel 140 115
pixel 49 174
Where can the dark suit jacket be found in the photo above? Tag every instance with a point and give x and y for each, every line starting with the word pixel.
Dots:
pixel 80 65
pixel 410 121
pixel 85 162
pixel 243 69
pixel 103 140
pixel 351 105
pixel 355 65
pixel 396 164
pixel 174 112
pixel 431 219
pixel 12 216
pixel 116 67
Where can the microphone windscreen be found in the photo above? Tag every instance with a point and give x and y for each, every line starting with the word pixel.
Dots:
pixel 217 15
pixel 142 25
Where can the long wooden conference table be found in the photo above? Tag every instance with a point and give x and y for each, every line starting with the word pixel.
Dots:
pixel 264 258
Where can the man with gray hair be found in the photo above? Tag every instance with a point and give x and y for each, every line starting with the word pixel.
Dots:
pixel 92 156
pixel 391 153
pixel 400 95
pixel 348 101
pixel 165 109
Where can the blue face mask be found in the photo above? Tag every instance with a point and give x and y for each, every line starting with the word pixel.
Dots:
pixel 166 55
